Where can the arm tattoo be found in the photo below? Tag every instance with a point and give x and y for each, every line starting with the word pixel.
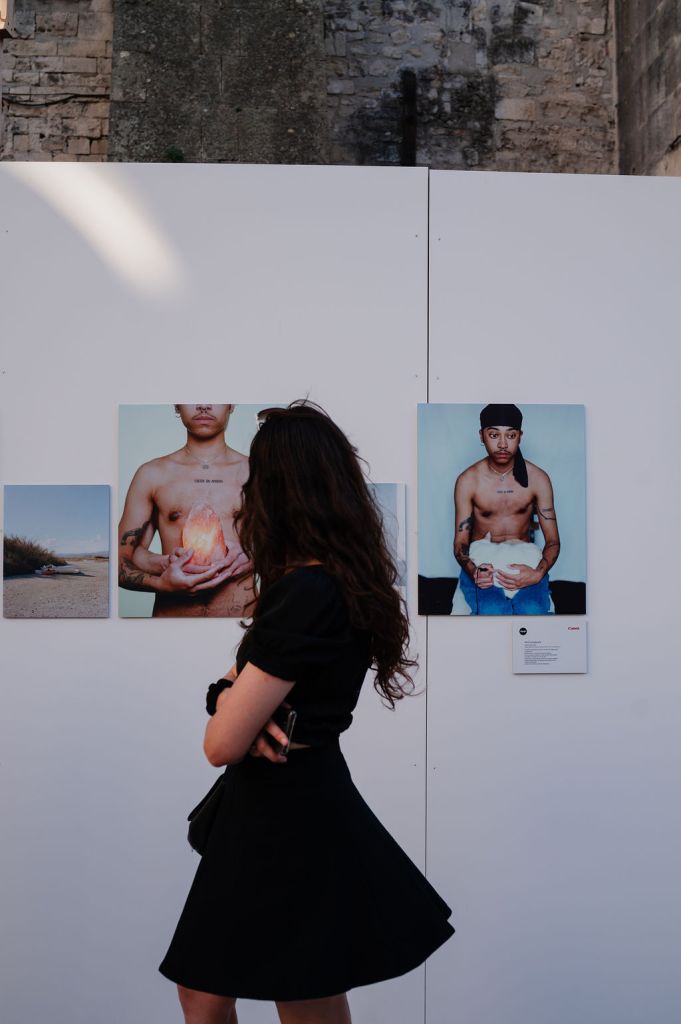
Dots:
pixel 135 536
pixel 466 524
pixel 461 553
pixel 550 554
pixel 547 513
pixel 130 577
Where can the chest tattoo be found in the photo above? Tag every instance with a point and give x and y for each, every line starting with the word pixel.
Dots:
pixel 201 480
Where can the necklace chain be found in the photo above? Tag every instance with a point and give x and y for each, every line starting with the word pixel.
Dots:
pixel 497 473
pixel 205 463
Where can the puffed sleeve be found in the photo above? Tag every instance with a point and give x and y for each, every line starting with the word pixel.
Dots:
pixel 299 626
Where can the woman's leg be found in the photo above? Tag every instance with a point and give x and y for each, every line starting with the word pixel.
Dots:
pixel 332 1010
pixel 206 1008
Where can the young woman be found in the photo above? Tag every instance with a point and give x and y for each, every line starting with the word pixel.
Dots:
pixel 301 893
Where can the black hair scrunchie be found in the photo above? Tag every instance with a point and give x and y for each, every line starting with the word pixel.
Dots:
pixel 214 691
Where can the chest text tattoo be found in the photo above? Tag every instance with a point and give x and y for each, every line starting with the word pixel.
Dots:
pixel 201 480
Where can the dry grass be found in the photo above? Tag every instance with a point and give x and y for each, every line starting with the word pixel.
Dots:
pixel 21 555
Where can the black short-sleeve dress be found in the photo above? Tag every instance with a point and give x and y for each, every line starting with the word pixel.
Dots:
pixel 301 892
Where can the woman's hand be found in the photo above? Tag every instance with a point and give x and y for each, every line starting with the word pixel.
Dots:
pixel 261 746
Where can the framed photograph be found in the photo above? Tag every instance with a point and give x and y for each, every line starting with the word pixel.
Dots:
pixel 502 509
pixel 56 551
pixel 182 468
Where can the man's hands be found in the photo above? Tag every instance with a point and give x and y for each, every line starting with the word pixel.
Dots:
pixel 524 576
pixel 483 575
pixel 178 575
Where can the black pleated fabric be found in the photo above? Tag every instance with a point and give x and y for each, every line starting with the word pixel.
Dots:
pixel 302 893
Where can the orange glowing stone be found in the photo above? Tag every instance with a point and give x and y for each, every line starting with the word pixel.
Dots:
pixel 203 533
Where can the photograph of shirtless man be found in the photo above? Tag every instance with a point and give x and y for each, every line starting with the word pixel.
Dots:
pixel 503 571
pixel 188 497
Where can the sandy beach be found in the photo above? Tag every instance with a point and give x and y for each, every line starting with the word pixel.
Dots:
pixel 60 597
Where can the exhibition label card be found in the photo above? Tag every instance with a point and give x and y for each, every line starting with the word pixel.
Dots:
pixel 544 645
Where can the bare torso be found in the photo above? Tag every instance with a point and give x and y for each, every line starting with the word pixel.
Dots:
pixel 500 505
pixel 180 485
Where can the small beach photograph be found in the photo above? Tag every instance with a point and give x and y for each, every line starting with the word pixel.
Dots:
pixel 56 551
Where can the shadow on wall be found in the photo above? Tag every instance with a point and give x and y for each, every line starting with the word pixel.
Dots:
pixel 421 106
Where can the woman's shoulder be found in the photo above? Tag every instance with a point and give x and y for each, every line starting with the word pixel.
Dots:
pixel 313 580
pixel 307 600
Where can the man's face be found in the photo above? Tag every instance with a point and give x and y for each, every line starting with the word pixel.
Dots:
pixel 205 420
pixel 501 444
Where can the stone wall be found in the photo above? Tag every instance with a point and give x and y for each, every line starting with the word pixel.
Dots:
pixel 55 77
pixel 510 85
pixel 468 83
pixel 219 80
pixel 649 79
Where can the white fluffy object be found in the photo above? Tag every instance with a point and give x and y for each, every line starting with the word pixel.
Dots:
pixel 501 554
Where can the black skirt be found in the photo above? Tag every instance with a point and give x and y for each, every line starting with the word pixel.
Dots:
pixel 301 892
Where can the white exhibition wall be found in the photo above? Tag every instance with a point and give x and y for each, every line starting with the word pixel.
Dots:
pixel 553 801
pixel 251 284
pixel 543 808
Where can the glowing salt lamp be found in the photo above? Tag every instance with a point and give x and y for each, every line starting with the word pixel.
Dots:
pixel 203 533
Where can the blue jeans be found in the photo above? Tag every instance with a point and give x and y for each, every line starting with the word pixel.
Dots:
pixel 532 600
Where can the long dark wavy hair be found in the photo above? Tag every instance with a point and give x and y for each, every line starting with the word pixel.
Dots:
pixel 306 498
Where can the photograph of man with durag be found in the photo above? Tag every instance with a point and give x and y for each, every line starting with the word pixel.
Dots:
pixel 504 519
pixel 504 571
pixel 187 498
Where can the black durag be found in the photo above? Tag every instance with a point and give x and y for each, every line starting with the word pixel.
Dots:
pixel 507 416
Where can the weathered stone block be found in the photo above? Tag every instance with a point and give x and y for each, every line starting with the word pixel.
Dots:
pixel 23 24
pixel 89 127
pixel 220 22
pixel 130 77
pixel 82 47
pixel 82 65
pixel 57 23
pixel 168 29
pixel 56 81
pixel 461 57
pixel 97 25
pixel 78 146
pixel 339 85
pixel 516 110
pixel 22 77
pixel 30 47
pixel 591 26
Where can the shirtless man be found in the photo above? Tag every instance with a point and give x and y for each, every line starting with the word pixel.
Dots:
pixel 205 471
pixel 494 501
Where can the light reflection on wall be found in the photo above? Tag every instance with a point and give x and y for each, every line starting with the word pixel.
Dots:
pixel 103 209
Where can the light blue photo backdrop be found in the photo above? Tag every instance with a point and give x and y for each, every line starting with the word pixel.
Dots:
pixel 449 442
